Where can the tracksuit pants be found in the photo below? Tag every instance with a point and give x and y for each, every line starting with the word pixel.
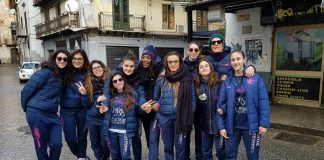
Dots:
pixel 251 143
pixel 208 140
pixel 75 132
pixel 171 138
pixel 98 142
pixel 137 144
pixel 198 145
pixel 154 139
pixel 47 132
pixel 119 146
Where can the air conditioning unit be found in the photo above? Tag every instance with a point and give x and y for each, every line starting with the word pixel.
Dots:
pixel 180 28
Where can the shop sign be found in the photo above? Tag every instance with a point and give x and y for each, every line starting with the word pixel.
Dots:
pixel 285 11
pixel 297 88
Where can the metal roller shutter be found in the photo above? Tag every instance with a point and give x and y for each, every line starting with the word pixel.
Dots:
pixel 116 53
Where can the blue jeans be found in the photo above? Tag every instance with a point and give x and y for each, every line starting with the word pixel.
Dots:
pixel 154 139
pixel 119 146
pixel 47 131
pixel 171 138
pixel 251 143
pixel 207 146
pixel 98 142
pixel 75 132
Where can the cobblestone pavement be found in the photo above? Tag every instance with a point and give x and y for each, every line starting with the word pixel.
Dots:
pixel 16 142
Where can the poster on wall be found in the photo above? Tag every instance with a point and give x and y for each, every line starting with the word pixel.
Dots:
pixel 254 55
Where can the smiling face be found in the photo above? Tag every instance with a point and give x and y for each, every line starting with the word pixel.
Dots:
pixel 193 51
pixel 237 62
pixel 97 69
pixel 173 63
pixel 118 82
pixel 61 60
pixel 128 67
pixel 78 61
pixel 216 47
pixel 204 69
pixel 146 61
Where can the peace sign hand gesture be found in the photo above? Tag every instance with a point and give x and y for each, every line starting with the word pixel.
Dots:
pixel 82 90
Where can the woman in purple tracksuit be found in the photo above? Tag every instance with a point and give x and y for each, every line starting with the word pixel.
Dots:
pixel 246 110
pixel 40 100
pixel 120 122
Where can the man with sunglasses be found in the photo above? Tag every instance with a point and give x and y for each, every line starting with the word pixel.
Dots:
pixel 220 57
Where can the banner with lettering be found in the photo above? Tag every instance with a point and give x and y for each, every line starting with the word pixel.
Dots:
pixel 292 12
pixel 297 88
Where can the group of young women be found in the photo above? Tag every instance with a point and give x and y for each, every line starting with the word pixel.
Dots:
pixel 222 98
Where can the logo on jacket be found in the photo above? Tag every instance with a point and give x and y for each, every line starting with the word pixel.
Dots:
pixel 203 96
pixel 251 80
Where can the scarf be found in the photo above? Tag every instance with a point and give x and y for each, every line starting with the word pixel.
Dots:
pixel 184 104
pixel 131 79
pixel 192 65
pixel 98 84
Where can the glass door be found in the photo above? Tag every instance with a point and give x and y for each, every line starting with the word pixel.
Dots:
pixel 121 15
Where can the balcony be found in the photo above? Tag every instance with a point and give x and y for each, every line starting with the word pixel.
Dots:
pixel 135 23
pixel 63 22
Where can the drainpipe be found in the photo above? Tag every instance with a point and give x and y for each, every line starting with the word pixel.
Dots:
pixel 189 20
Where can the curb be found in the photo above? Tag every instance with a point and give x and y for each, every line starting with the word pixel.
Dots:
pixel 301 130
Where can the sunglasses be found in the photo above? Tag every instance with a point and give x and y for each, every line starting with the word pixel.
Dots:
pixel 61 58
pixel 217 42
pixel 117 80
pixel 193 49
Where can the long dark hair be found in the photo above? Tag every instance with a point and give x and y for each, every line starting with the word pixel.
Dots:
pixel 52 62
pixel 90 76
pixel 213 79
pixel 127 92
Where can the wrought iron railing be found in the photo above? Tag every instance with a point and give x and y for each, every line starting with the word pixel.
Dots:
pixel 67 20
pixel 135 22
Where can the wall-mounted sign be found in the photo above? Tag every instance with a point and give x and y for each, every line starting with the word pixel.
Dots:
pixel 243 17
pixel 297 88
pixel 287 11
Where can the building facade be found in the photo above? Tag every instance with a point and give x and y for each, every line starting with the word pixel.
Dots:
pixel 107 29
pixel 8 51
pixel 284 41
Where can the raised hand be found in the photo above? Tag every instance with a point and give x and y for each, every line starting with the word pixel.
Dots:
pixel 82 90
pixel 147 106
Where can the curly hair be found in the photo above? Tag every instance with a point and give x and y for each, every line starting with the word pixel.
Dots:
pixel 52 61
pixel 90 76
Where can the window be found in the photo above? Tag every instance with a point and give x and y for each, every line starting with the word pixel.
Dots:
pixel 300 49
pixel 201 21
pixel 121 10
pixel 167 16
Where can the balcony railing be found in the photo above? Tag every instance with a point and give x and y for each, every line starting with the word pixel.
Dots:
pixel 211 27
pixel 135 23
pixel 67 20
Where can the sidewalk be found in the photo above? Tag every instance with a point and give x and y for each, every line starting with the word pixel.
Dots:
pixel 300 119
